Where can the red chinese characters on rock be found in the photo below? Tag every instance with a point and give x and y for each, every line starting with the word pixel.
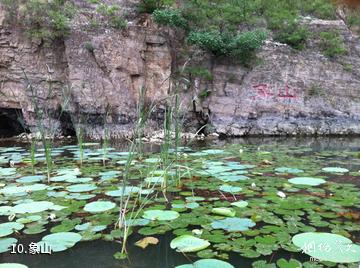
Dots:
pixel 264 91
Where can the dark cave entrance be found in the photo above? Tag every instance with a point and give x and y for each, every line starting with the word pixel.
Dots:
pixel 67 126
pixel 11 122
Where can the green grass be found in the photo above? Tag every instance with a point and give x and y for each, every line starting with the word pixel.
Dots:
pixel 332 44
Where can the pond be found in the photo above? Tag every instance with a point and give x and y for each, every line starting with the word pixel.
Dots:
pixel 260 202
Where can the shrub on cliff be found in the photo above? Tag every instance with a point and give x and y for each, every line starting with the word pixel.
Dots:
pixel 332 44
pixel 149 6
pixel 240 46
pixel 111 15
pixel 170 17
pixel 47 20
pixel 285 25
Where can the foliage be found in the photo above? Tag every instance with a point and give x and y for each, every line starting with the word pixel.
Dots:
pixel 47 20
pixel 316 90
pixel 149 6
pixel 240 46
pixel 111 15
pixel 219 15
pixel 332 44
pixel 198 71
pixel 285 24
pixel 353 20
pixel 170 17
pixel 321 9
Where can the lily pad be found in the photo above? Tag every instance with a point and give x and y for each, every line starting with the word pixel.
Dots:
pixel 145 242
pixel 35 207
pixel 240 204
pixel 229 212
pixel 307 181
pixel 188 243
pixel 78 188
pixel 288 170
pixel 230 189
pixel 207 263
pixel 12 265
pixel 60 241
pixel 30 179
pixel 8 228
pixel 328 247
pixel 99 206
pixel 231 178
pixel 160 215
pixel 5 244
pixel 335 170
pixel 123 191
pixel 22 190
pixel 233 224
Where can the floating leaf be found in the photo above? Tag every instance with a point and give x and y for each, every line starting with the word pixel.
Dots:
pixel 30 179
pixel 233 224
pixel 230 189
pixel 12 265
pixel 160 215
pixel 288 170
pixel 123 191
pixel 5 244
pixel 240 204
pixel 307 181
pixel 335 170
pixel 143 243
pixel 154 180
pixel 207 263
pixel 35 207
pixel 99 206
pixel 188 243
pixel 23 190
pixel 60 241
pixel 232 178
pixel 8 228
pixel 282 263
pixel 328 247
pixel 78 188
pixel 229 212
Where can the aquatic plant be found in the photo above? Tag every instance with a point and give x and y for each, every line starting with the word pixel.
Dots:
pixel 45 125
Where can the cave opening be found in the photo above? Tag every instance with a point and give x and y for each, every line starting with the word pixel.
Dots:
pixel 67 126
pixel 11 122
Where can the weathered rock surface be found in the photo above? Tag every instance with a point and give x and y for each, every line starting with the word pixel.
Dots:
pixel 96 76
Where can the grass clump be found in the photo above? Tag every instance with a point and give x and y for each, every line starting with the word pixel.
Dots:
pixel 111 14
pixel 332 45
pixel 46 20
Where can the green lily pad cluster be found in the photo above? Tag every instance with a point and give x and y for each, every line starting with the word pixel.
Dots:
pixel 216 203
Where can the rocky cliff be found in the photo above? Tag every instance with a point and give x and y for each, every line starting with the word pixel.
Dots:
pixel 95 75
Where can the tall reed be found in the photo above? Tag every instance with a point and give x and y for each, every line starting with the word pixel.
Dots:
pixel 44 117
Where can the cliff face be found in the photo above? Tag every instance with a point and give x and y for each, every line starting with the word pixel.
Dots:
pixel 96 75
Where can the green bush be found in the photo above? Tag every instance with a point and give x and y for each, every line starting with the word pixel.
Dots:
pixel 241 46
pixel 294 35
pixel 48 20
pixel 353 20
pixel 111 14
pixel 149 6
pixel 213 41
pixel 219 15
pixel 284 23
pixel 332 44
pixel 322 9
pixel 89 47
pixel 170 17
